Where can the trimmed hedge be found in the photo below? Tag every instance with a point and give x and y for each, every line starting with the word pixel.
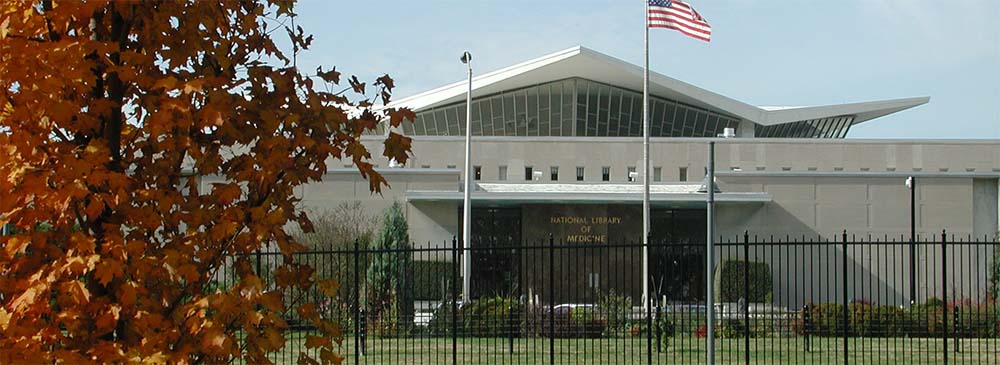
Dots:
pixel 923 320
pixel 729 281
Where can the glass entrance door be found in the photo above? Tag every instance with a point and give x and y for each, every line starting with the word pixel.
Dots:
pixel 495 265
pixel 677 254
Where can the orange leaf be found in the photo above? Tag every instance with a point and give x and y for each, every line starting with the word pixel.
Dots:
pixel 329 287
pixel 107 270
pixel 329 357
pixel 317 341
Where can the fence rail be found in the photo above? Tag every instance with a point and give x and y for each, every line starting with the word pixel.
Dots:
pixel 843 300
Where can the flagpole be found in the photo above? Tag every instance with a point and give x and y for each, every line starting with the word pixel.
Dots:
pixel 645 163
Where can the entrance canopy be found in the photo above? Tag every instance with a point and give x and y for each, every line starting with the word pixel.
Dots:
pixel 668 195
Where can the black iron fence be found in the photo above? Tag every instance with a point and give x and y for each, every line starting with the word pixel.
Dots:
pixel 844 300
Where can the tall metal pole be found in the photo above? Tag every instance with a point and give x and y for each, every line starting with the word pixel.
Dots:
pixel 911 184
pixel 467 193
pixel 645 164
pixel 709 257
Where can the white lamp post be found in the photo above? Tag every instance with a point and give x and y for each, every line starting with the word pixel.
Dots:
pixel 466 196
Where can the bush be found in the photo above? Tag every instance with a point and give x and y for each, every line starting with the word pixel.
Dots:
pixel 922 320
pixel 615 310
pixel 664 329
pixel 492 317
pixel 729 286
pixel 497 316
pixel 426 278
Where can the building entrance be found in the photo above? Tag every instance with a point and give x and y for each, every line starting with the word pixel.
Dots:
pixel 677 254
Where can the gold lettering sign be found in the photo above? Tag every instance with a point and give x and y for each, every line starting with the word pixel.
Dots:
pixel 585 227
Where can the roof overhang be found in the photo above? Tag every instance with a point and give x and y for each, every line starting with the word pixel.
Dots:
pixel 660 194
pixel 585 63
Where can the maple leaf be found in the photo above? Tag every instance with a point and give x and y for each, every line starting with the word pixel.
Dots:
pixel 107 270
pixel 317 341
pixel 328 76
pixel 328 287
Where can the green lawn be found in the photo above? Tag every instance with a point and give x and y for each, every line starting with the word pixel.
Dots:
pixel 681 350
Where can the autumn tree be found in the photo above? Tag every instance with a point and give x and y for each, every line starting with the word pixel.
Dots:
pixel 109 114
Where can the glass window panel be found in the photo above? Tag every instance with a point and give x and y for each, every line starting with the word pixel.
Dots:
pixel 713 126
pixel 802 129
pixel 614 112
pixel 677 130
pixel 579 173
pixel 509 117
pixel 626 114
pixel 832 127
pixel 532 111
pixel 554 173
pixel 799 129
pixel 592 105
pixel 635 125
pixel 581 107
pixel 486 113
pixel 544 113
pixel 567 98
pixel 668 120
pixel 606 173
pixel 477 119
pixel 842 131
pixel 701 123
pixel 656 109
pixel 843 124
pixel 441 121
pixel 456 124
pixel 502 173
pixel 496 103
pixel 689 122
pixel 521 113
pixel 429 124
pixel 629 174
pixel 603 103
pixel 657 174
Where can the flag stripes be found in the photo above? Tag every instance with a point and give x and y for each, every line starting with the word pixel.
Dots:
pixel 679 16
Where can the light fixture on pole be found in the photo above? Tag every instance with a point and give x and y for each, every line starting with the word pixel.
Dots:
pixel 467 192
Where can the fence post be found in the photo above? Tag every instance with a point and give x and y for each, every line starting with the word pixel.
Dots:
pixel 511 327
pixel 944 293
pixel 658 325
pixel 746 296
pixel 552 300
pixel 454 298
pixel 357 307
pixel 805 325
pixel 846 310
pixel 256 254
pixel 958 322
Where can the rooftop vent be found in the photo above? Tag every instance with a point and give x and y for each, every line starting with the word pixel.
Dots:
pixel 728 133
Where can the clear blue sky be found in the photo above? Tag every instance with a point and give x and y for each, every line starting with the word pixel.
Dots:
pixel 763 52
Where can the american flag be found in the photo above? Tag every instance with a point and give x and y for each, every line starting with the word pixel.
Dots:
pixel 678 15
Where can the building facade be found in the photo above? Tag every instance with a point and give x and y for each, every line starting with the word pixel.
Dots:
pixel 557 150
